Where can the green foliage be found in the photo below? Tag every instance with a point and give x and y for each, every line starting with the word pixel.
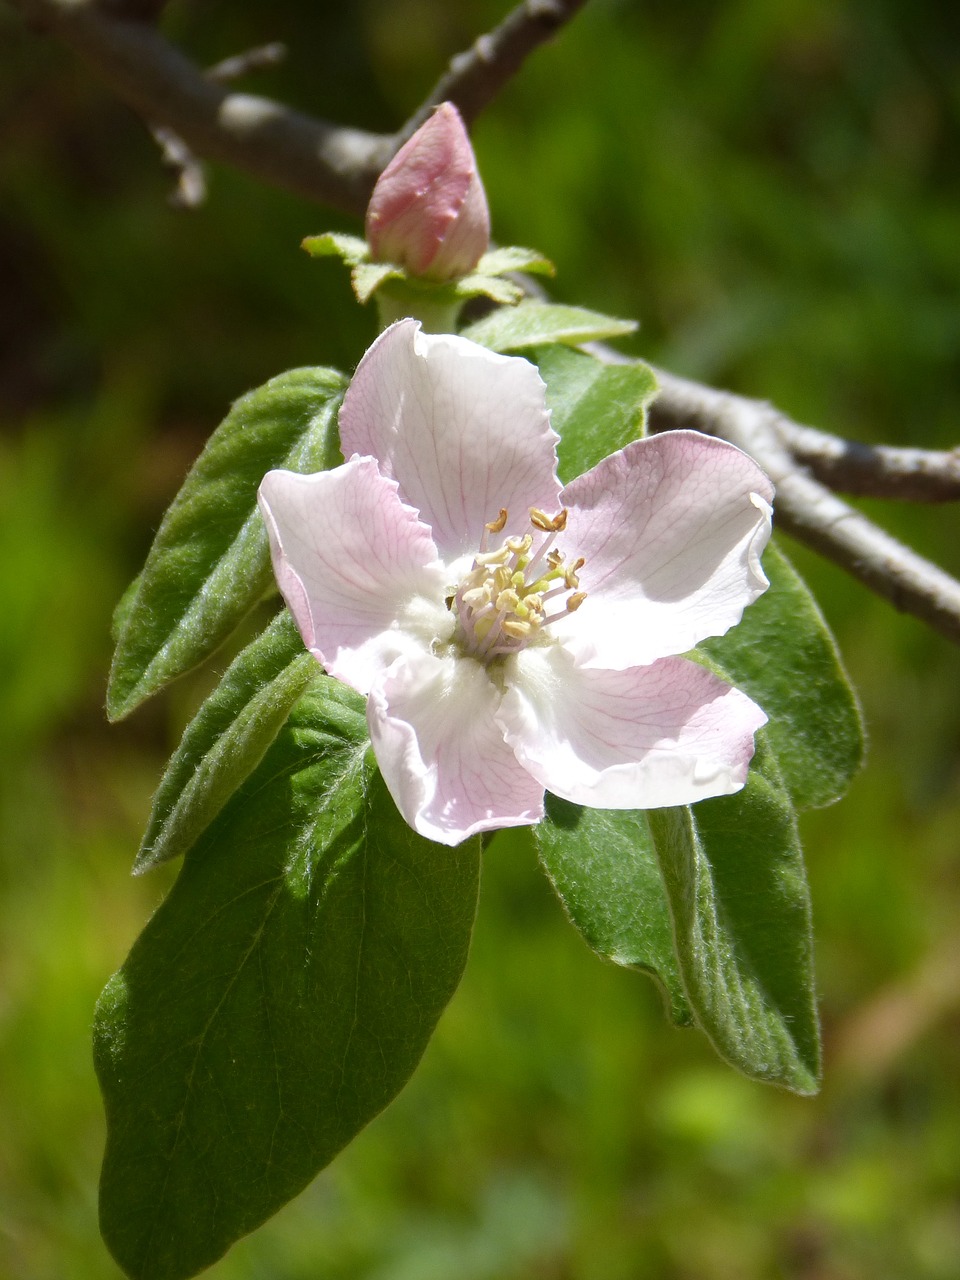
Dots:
pixel 596 408
pixel 279 998
pixel 603 865
pixel 734 877
pixel 531 324
pixel 782 654
pixel 227 739
pixel 732 892
pixel 210 564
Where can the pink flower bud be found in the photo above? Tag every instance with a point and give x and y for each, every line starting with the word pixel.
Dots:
pixel 428 212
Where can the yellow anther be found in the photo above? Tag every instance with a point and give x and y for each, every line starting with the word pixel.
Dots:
pixel 540 520
pixel 575 601
pixel 497 526
pixel 519 546
pixel 519 628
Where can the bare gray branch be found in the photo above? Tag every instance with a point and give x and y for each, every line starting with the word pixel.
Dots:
pixel 874 471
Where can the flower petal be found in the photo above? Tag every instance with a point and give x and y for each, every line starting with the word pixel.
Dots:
pixel 463 431
pixel 441 753
pixel 357 568
pixel 671 529
pixel 644 738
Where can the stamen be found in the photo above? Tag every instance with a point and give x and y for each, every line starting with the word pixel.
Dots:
pixel 520 546
pixel 501 601
pixel 493 526
pixel 540 520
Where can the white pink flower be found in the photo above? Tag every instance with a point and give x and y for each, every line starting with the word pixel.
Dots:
pixel 511 634
pixel 428 212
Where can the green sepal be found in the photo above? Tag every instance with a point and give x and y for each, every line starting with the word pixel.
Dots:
pixel 278 999
pixel 209 563
pixel 336 244
pixel 595 407
pixel 367 277
pixel 227 739
pixel 782 654
pixel 603 866
pixel 533 324
pixel 436 302
pixel 734 878
pixel 496 262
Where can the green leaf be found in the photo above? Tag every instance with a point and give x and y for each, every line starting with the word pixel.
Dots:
pixel 335 244
pixel 209 563
pixel 734 877
pixel 531 324
pixel 279 998
pixel 227 739
pixel 597 408
pixel 604 868
pixel 122 609
pixel 783 655
pixel 514 258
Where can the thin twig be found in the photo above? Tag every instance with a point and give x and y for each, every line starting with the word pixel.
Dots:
pixel 807 510
pixel 474 78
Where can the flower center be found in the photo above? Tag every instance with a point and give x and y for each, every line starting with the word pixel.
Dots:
pixel 501 603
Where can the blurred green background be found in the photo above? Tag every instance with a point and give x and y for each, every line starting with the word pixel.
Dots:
pixel 773 188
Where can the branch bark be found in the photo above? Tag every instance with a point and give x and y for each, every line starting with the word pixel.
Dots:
pixel 874 471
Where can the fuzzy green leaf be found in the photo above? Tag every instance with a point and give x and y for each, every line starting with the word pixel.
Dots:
pixel 604 868
pixel 597 408
pixel 227 739
pixel 532 324
pixel 783 655
pixel 735 881
pixel 209 563
pixel 279 998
